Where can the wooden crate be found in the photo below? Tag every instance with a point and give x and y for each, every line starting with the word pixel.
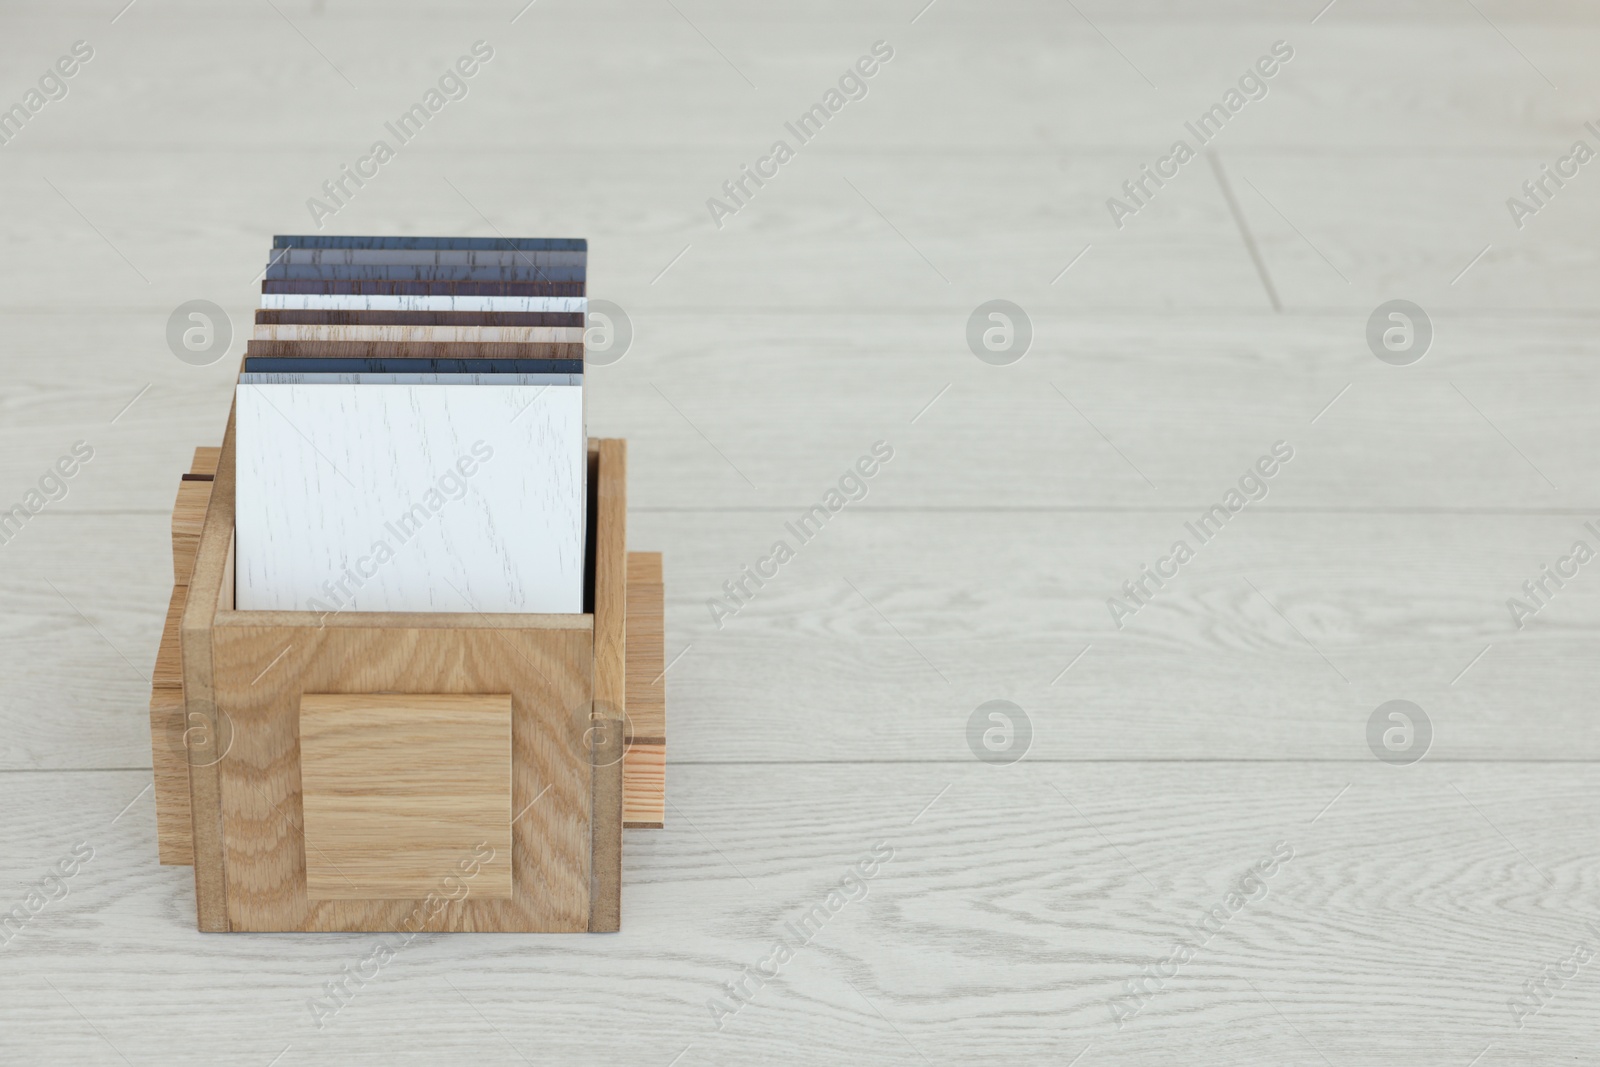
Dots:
pixel 409 771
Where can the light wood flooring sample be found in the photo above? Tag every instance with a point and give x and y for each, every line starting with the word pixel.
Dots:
pixel 404 795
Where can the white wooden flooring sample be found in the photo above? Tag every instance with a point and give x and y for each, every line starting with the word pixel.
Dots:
pixel 410 498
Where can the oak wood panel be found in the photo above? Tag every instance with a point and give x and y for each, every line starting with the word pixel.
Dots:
pixel 646 661
pixel 611 578
pixel 644 787
pixel 169 720
pixel 188 518
pixel 400 793
pixel 205 460
pixel 262 670
pixel 168 671
pixel 210 591
pixel 610 690
pixel 174 832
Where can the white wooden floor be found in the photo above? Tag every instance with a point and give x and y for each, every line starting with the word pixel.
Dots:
pixel 1227 719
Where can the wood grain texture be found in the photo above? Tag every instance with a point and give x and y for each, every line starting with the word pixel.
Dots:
pixel 262 671
pixel 611 579
pixel 423 288
pixel 259 664
pixel 610 688
pixel 646 659
pixel 314 378
pixel 522 272
pixel 399 792
pixel 168 671
pixel 416 349
pixel 494 319
pixel 1167 686
pixel 404 364
pixel 205 742
pixel 394 302
pixel 644 761
pixel 174 831
pixel 644 758
pixel 644 785
pixel 471 498
pixel 998 932
pixel 1157 387
pixel 420 334
pixel 1377 167
pixel 431 244
pixel 188 519
pixel 365 257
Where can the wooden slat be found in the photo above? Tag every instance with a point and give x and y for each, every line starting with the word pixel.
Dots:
pixel 211 584
pixel 644 786
pixel 174 838
pixel 188 519
pixel 644 798
pixel 168 673
pixel 205 460
pixel 611 577
pixel 174 820
pixel 647 700
pixel 610 683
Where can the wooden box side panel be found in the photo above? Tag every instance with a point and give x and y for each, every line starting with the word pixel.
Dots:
pixel 174 841
pixel 210 586
pixel 610 683
pixel 261 672
pixel 174 823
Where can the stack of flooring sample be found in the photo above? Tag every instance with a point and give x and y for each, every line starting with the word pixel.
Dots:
pixel 409 436
pixel 410 427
